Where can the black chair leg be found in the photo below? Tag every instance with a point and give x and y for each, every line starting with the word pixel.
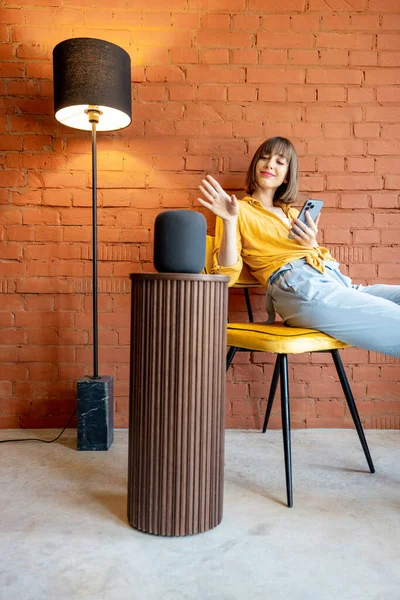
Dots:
pixel 352 406
pixel 248 304
pixel 272 391
pixel 286 426
pixel 229 357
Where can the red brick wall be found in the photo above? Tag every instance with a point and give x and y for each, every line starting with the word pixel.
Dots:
pixel 211 80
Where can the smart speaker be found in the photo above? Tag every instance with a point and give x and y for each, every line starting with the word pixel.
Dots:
pixel 180 241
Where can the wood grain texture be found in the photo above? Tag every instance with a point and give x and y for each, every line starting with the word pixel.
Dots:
pixel 177 403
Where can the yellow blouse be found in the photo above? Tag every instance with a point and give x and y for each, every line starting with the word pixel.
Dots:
pixel 263 243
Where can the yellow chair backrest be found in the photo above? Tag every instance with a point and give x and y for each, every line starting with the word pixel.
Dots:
pixel 246 279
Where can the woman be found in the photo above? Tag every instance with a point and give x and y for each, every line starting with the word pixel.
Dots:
pixel 303 282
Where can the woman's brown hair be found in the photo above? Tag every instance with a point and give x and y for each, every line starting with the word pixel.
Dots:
pixel 287 192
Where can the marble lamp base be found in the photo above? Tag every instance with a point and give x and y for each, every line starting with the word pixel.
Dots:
pixel 95 411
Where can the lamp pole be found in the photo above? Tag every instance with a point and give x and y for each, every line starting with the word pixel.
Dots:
pixel 93 114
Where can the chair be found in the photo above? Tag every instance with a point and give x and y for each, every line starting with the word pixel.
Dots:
pixel 282 340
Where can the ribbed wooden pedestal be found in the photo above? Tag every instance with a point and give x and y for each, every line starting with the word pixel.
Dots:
pixel 177 402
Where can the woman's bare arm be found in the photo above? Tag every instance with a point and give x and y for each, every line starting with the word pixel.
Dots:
pixel 227 208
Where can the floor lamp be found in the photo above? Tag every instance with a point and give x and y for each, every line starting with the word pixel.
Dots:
pixel 92 92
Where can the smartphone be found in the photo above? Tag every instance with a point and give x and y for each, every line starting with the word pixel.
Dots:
pixel 313 207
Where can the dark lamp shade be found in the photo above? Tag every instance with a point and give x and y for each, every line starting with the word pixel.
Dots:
pixel 90 72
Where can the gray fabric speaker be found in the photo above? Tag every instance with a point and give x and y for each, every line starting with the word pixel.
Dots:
pixel 180 241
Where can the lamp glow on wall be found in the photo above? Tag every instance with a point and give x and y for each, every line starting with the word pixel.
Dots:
pixel 92 92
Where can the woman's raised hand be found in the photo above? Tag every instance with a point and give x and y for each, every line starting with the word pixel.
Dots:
pixel 219 202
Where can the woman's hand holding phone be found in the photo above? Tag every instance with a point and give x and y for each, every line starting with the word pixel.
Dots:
pixel 305 235
pixel 304 228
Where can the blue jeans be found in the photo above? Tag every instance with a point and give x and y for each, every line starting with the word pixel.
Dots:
pixel 363 316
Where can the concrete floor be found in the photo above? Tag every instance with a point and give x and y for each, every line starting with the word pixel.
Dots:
pixel 64 534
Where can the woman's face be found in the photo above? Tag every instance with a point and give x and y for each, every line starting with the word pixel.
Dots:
pixel 271 171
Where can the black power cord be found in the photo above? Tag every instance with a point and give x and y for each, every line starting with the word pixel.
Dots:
pixel 37 439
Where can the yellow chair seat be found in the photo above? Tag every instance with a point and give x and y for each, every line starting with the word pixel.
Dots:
pixel 279 339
